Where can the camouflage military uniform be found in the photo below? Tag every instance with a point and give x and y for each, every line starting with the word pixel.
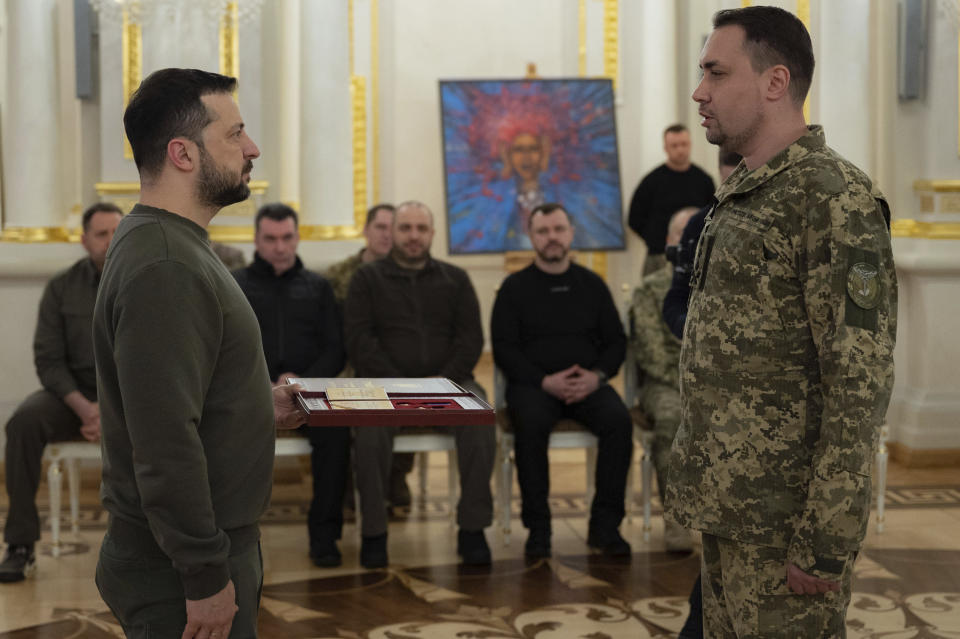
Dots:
pixel 340 273
pixel 657 353
pixel 786 371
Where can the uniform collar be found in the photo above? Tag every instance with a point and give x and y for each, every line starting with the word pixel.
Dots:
pixel 742 180
pixel 264 267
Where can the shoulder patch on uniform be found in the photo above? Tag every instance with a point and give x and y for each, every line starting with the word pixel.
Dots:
pixel 863 285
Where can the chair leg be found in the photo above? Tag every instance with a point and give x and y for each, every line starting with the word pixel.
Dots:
pixel 452 482
pixel 73 486
pixel 506 487
pixel 591 474
pixel 422 460
pixel 882 476
pixel 53 480
pixel 646 472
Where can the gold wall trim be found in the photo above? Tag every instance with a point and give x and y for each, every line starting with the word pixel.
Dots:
pixel 131 45
pixel 803 13
pixel 308 232
pixel 611 40
pixel 925 230
pixel 39 234
pixel 230 41
pixel 257 187
pixel 937 186
pixel 358 98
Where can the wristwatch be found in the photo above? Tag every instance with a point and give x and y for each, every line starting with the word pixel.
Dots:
pixel 602 378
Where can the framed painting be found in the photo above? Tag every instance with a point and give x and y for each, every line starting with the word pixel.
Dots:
pixel 511 145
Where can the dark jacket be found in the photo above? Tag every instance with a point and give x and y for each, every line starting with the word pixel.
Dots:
pixel 412 323
pixel 299 322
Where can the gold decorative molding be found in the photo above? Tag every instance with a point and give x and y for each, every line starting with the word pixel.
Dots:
pixel 39 234
pixel 937 186
pixel 230 41
pixel 582 38
pixel 257 187
pixel 358 97
pixel 803 12
pixel 925 230
pixel 131 45
pixel 308 232
pixel 611 40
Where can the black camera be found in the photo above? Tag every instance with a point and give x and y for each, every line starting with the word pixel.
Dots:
pixel 671 251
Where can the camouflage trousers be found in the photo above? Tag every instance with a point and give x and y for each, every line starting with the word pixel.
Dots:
pixel 745 596
pixel 661 403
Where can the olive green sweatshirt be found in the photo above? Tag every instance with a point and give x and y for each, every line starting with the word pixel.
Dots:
pixel 186 409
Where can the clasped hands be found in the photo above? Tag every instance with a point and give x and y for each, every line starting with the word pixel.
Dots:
pixel 571 385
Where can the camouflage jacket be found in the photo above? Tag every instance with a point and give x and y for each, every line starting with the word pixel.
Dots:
pixel 655 348
pixel 787 360
pixel 339 275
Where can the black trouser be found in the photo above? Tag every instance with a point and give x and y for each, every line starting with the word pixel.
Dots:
pixel 534 413
pixel 144 591
pixel 329 464
pixel 41 418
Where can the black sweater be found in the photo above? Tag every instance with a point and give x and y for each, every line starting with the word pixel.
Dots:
pixel 662 193
pixel 546 323
pixel 298 316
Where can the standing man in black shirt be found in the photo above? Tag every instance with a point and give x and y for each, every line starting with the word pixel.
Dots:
pixel 300 328
pixel 673 185
pixel 558 339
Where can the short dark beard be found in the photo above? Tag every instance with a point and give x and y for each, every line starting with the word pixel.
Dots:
pixel 552 260
pixel 217 188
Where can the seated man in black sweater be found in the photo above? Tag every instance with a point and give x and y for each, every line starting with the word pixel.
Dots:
pixel 558 339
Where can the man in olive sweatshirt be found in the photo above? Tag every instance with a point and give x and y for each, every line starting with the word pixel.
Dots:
pixel 186 409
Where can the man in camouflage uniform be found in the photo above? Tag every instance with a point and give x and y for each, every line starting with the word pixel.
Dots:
pixel 787 360
pixel 376 232
pixel 657 355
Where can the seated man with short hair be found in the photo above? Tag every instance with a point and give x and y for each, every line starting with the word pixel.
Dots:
pixel 558 339
pixel 67 405
pixel 409 315
pixel 657 353
pixel 300 330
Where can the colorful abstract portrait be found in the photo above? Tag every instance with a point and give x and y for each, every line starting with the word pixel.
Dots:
pixel 511 145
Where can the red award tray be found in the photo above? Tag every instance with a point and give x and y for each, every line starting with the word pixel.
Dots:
pixel 441 402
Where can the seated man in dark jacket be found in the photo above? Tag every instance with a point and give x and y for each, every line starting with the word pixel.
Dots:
pixel 300 328
pixel 409 315
pixel 558 339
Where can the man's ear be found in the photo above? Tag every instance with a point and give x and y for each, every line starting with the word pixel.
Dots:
pixel 183 153
pixel 778 82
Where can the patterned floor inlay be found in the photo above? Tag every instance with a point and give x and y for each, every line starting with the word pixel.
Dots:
pixel 437 507
pixel 899 594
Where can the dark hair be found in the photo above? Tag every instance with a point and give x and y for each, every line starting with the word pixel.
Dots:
pixel 674 128
pixel 99 207
pixel 165 106
pixel 546 209
pixel 774 36
pixel 372 212
pixel 276 211
pixel 729 158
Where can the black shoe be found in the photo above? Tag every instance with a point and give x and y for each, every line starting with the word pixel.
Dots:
pixel 325 554
pixel 609 542
pixel 18 562
pixel 472 547
pixel 373 552
pixel 538 544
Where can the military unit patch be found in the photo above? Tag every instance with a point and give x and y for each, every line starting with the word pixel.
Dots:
pixel 863 285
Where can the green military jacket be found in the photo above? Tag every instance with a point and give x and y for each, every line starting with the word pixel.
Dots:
pixel 787 360
pixel 655 348
pixel 339 275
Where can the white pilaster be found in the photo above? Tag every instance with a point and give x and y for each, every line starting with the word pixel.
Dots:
pixel 326 167
pixel 31 117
